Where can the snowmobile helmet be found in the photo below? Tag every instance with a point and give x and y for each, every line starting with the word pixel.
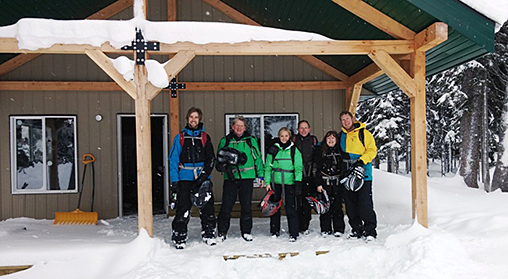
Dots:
pixel 231 156
pixel 320 203
pixel 203 195
pixel 354 181
pixel 268 206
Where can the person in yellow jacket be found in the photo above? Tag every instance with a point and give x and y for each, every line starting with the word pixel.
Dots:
pixel 283 173
pixel 359 149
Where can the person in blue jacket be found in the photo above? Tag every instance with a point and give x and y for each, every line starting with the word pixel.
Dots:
pixel 191 162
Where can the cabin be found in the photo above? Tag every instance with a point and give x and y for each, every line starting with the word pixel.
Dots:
pixel 60 103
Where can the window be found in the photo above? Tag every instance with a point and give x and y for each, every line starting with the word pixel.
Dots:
pixel 265 127
pixel 44 154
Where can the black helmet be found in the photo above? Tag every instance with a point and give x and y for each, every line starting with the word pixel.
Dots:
pixel 268 205
pixel 321 203
pixel 231 156
pixel 203 195
pixel 354 180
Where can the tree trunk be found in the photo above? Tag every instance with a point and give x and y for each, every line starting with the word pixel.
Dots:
pixel 470 127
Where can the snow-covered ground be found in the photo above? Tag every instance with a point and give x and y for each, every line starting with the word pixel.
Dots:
pixel 467 238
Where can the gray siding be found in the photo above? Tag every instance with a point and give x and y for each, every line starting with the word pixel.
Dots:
pixel 321 108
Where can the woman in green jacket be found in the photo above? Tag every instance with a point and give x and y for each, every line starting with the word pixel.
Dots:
pixel 283 171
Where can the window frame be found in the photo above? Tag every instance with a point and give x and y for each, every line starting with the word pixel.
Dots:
pixel 228 118
pixel 45 189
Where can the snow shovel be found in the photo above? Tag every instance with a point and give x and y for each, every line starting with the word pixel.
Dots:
pixel 78 217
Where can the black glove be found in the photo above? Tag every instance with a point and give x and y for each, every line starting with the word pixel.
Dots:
pixel 358 163
pixel 201 178
pixel 221 167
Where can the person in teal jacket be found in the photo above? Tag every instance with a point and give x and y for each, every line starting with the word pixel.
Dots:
pixel 359 149
pixel 283 173
pixel 239 182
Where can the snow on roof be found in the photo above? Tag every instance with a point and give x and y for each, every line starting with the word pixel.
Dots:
pixel 497 10
pixel 34 33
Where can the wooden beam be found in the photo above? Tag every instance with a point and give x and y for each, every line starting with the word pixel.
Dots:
pixel 363 47
pixel 431 36
pixel 322 66
pixel 243 19
pixel 377 18
pixel 105 13
pixel 394 71
pixel 419 142
pixel 264 86
pixel 190 86
pixel 107 66
pixel 173 67
pixel 365 75
pixel 143 151
pixel 292 47
pixel 355 97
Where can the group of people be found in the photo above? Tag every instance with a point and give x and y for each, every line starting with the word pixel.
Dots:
pixel 297 170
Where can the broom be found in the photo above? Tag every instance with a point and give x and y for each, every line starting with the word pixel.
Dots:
pixel 78 217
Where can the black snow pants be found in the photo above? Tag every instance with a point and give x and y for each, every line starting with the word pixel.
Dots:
pixel 335 215
pixel 182 216
pixel 289 199
pixel 360 210
pixel 241 188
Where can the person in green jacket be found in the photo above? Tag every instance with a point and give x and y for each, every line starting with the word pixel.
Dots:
pixel 283 173
pixel 238 180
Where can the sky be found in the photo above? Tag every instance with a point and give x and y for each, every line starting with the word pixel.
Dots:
pixel 467 238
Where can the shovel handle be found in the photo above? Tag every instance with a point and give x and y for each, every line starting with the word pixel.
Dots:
pixel 88 158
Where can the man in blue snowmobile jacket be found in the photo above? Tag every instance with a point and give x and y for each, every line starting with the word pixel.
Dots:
pixel 191 163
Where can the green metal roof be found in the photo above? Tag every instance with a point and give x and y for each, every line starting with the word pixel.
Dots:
pixel 470 34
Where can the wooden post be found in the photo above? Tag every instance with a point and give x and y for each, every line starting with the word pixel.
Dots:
pixel 174 102
pixel 419 142
pixel 355 97
pixel 143 151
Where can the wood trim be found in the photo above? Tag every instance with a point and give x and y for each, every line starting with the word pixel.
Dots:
pixel 394 71
pixel 107 66
pixel 171 10
pixel 105 13
pixel 265 86
pixel 365 75
pixel 377 18
pixel 431 37
pixel 241 18
pixel 190 86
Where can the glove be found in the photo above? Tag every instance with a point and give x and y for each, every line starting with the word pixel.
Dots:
pixel 358 163
pixel 201 178
pixel 221 167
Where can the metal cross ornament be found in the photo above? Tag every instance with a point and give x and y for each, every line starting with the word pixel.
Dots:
pixel 173 86
pixel 141 46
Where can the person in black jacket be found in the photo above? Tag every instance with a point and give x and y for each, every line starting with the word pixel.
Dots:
pixel 306 144
pixel 329 169
pixel 191 162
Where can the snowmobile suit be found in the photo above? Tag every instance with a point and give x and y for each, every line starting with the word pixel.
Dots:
pixel 307 146
pixel 329 168
pixel 242 184
pixel 359 205
pixel 282 174
pixel 190 165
